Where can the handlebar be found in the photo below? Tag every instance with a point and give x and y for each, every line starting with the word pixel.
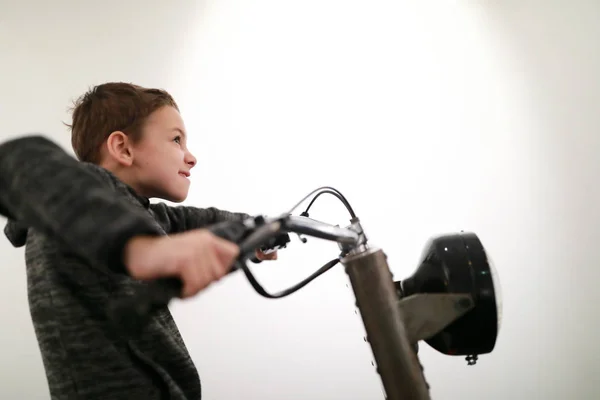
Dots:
pixel 304 225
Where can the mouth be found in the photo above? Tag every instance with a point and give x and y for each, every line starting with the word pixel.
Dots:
pixel 185 174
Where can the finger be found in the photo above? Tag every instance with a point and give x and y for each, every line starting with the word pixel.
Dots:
pixel 269 256
pixel 193 279
pixel 219 267
pixel 226 251
pixel 207 268
pixel 229 248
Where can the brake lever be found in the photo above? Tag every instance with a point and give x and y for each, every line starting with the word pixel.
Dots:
pixel 274 244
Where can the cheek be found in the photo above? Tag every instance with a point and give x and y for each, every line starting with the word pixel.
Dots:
pixel 178 160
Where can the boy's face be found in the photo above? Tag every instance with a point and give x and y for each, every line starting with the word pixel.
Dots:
pixel 161 159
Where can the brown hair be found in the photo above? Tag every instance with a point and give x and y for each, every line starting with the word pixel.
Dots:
pixel 110 107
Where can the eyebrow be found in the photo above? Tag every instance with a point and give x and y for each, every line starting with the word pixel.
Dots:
pixel 179 130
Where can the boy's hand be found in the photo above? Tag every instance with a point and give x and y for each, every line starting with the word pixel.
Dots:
pixel 262 256
pixel 197 257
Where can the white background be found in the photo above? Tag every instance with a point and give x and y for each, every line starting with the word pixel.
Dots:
pixel 429 116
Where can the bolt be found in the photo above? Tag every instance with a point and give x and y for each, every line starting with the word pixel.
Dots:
pixel 464 303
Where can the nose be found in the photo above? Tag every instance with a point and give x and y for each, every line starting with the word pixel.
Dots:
pixel 189 159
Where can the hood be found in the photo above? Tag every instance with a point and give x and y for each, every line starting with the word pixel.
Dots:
pixel 16 233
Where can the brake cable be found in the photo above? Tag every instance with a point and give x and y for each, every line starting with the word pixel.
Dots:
pixel 329 265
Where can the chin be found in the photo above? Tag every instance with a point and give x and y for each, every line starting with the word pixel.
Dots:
pixel 177 198
pixel 174 193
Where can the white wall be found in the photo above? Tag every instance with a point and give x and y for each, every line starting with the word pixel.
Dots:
pixel 429 117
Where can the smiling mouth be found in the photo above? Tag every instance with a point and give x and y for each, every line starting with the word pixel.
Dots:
pixel 185 175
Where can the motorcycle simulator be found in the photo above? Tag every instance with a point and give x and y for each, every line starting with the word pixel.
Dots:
pixel 451 302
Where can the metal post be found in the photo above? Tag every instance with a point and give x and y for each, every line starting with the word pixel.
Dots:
pixel 377 301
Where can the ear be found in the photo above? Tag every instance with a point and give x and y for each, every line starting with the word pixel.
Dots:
pixel 119 148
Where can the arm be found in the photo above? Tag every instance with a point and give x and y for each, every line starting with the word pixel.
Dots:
pixel 181 218
pixel 43 187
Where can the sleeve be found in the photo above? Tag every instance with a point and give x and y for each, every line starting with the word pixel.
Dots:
pixel 183 218
pixel 43 187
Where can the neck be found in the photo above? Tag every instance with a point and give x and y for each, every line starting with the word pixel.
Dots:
pixel 125 176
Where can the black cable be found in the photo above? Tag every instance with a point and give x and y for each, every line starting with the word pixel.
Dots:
pixel 260 290
pixel 336 194
pixel 252 279
pixel 322 190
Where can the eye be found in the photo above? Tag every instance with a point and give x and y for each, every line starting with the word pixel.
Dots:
pixel 177 139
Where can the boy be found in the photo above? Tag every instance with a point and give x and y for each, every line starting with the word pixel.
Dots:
pixel 91 234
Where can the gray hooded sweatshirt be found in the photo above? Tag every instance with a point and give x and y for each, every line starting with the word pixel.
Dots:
pixel 74 220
